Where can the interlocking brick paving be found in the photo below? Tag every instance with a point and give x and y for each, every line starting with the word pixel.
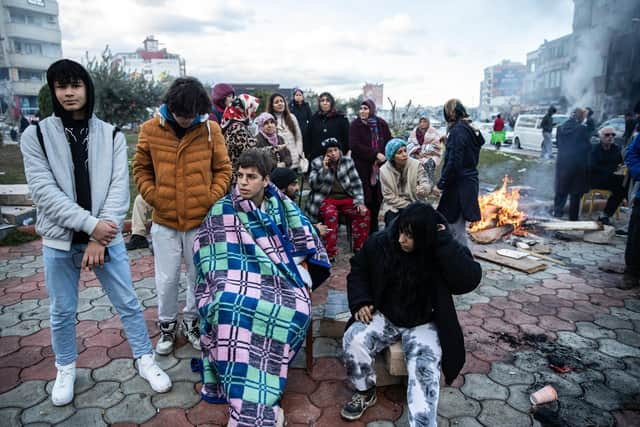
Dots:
pixel 513 326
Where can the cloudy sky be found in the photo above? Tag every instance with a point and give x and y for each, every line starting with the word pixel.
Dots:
pixel 426 51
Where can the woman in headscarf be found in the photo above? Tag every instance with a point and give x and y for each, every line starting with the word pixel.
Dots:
pixel 429 150
pixel 459 180
pixel 235 127
pixel 221 97
pixel 301 109
pixel 402 180
pixel 268 138
pixel 368 137
pixel 327 123
pixel 288 129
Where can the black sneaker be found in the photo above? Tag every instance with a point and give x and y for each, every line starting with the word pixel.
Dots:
pixel 359 403
pixel 137 242
pixel 621 232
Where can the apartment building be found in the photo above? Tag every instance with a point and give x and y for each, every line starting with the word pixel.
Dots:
pixel 30 40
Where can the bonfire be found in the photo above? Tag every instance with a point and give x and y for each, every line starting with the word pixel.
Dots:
pixel 500 208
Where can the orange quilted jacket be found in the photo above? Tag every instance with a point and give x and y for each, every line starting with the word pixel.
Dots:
pixel 181 178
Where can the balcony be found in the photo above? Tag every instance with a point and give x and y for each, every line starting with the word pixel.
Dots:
pixel 34 32
pixel 26 87
pixel 50 6
pixel 33 62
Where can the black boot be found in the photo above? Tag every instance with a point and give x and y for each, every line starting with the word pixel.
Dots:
pixel 137 242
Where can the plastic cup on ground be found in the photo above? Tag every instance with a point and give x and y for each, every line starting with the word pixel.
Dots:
pixel 545 395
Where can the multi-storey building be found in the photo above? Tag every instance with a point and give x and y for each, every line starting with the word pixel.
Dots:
pixel 547 71
pixel 30 40
pixel 152 62
pixel 501 87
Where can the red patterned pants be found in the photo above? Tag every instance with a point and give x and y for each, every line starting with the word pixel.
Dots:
pixel 329 211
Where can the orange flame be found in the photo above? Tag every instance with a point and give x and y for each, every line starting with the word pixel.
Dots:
pixel 499 208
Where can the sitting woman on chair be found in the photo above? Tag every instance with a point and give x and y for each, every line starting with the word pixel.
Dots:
pixel 400 288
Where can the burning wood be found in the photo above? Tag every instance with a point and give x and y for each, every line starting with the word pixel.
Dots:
pixel 499 209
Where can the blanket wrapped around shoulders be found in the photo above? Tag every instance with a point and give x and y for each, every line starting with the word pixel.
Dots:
pixel 253 301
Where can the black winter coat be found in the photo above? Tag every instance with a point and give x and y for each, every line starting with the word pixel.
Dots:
pixel 572 163
pixel 459 179
pixel 603 163
pixel 456 273
pixel 303 114
pixel 323 126
pixel 364 156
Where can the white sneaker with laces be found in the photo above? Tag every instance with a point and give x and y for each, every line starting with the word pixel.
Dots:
pixel 150 371
pixel 62 393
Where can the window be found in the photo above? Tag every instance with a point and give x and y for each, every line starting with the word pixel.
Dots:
pixel 24 74
pixel 27 48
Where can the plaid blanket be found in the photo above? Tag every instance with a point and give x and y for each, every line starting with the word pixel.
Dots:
pixel 253 303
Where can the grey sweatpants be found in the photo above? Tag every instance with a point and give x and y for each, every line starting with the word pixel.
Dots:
pixel 169 247
pixel 422 352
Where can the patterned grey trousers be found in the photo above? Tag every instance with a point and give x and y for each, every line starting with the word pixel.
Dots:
pixel 422 352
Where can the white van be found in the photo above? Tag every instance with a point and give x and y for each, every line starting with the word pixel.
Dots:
pixel 527 132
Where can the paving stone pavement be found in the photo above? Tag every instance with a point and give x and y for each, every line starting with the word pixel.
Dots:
pixel 515 327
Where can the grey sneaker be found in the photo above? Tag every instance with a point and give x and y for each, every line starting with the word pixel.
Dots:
pixel 167 338
pixel 191 332
pixel 359 403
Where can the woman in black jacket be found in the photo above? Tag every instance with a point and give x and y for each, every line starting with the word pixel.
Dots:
pixel 301 109
pixel 327 122
pixel 458 182
pixel 400 287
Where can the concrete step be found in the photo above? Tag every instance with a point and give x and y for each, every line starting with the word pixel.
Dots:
pixel 18 215
pixel 15 195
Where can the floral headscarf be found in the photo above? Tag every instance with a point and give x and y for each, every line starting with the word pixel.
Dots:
pixel 242 109
pixel 260 121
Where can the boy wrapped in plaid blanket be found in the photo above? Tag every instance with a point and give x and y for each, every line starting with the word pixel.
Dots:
pixel 255 255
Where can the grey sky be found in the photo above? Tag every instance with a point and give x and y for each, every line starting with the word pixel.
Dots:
pixel 426 51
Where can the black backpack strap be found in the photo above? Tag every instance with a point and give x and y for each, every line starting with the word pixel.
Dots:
pixel 41 140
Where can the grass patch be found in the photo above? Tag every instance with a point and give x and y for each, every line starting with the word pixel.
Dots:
pixel 522 170
pixel 11 168
pixel 17 237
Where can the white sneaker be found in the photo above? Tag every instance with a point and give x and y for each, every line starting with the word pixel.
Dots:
pixel 62 393
pixel 150 371
pixel 191 332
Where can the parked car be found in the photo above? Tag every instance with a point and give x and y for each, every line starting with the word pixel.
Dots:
pixel 509 135
pixel 527 133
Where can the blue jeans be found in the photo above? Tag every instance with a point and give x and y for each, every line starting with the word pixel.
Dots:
pixel 61 278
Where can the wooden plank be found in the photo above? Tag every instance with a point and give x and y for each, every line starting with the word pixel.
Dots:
pixel 394 358
pixel 490 235
pixel 525 265
pixel 572 225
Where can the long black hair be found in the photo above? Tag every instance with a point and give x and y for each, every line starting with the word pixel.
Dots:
pixel 411 271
